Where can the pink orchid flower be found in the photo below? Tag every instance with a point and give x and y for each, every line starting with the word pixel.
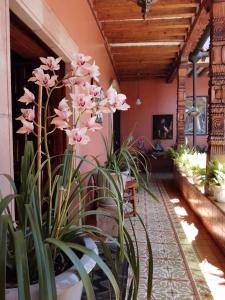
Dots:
pixel 82 102
pixel 28 97
pixel 70 81
pixel 92 125
pixel 78 136
pixel 59 123
pixel 79 60
pixel 50 63
pixel 103 107
pixel 116 101
pixel 95 91
pixel 120 103
pixel 27 127
pixel 63 105
pixel 93 71
pixel 40 78
pixel 27 114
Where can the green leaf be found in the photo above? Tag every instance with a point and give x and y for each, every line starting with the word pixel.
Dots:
pixel 46 286
pixel 22 266
pixel 77 264
pixel 5 202
pixel 3 247
pixel 101 264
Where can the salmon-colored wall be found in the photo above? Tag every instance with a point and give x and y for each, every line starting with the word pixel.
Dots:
pixel 158 97
pixel 77 18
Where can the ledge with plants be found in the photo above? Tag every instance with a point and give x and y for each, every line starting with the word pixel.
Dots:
pixel 45 248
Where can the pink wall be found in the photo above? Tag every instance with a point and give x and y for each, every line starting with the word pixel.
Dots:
pixel 78 20
pixel 158 97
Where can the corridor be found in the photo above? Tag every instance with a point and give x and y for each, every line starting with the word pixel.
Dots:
pixel 187 262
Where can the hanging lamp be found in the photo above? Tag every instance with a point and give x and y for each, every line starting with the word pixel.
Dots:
pixel 145 6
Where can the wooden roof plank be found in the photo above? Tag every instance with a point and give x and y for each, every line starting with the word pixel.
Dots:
pixel 195 33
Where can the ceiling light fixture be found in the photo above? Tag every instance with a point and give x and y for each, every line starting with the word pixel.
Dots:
pixel 138 101
pixel 145 6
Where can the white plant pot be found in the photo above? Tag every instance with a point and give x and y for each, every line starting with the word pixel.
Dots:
pixel 69 286
pixel 219 193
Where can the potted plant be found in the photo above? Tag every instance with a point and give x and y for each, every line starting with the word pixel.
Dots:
pixel 215 178
pixel 45 249
pixel 199 174
pixel 123 164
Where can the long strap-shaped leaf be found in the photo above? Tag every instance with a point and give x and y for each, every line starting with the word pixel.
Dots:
pixel 5 202
pixel 77 264
pixel 47 288
pixel 101 264
pixel 3 247
pixel 21 266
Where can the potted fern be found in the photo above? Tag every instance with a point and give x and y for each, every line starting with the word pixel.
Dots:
pixel 46 250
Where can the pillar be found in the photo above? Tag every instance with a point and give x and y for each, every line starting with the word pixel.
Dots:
pixel 181 95
pixel 6 143
pixel 216 106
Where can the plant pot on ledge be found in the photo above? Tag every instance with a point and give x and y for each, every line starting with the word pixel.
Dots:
pixel 219 193
pixel 69 286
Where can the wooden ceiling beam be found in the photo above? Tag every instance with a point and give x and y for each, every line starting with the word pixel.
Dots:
pixel 147 38
pixel 150 24
pixel 145 50
pixel 195 33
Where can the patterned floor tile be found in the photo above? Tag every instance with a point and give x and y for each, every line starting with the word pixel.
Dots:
pixel 171 279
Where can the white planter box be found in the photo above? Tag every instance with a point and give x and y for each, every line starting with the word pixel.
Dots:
pixel 68 285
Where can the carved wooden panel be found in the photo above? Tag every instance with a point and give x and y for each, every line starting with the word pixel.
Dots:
pixel 181 94
pixel 216 138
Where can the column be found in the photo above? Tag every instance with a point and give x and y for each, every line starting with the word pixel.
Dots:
pixel 216 107
pixel 181 94
pixel 6 143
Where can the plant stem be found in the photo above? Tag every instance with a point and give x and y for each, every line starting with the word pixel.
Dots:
pixel 39 140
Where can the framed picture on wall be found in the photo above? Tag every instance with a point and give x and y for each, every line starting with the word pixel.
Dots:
pixel 162 127
pixel 201 119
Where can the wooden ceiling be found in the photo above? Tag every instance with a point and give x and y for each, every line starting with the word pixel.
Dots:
pixel 144 48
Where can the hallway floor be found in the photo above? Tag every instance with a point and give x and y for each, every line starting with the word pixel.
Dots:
pixel 187 262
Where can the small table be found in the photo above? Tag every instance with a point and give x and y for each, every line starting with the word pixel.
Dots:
pixel 130 189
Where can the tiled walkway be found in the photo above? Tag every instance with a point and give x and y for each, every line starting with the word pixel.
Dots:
pixel 178 266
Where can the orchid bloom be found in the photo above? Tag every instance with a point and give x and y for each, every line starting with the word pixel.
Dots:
pixel 40 78
pixel 27 98
pixel 78 136
pixel 93 71
pixel 69 82
pixel 27 114
pixel 103 107
pixel 92 125
pixel 82 102
pixel 27 127
pixel 95 91
pixel 63 110
pixel 80 60
pixel 63 105
pixel 59 123
pixel 50 63
pixel 121 102
pixel 116 101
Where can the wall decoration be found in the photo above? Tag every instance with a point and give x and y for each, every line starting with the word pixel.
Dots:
pixel 162 127
pixel 201 118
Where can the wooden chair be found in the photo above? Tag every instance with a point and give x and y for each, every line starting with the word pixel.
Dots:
pixel 130 194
